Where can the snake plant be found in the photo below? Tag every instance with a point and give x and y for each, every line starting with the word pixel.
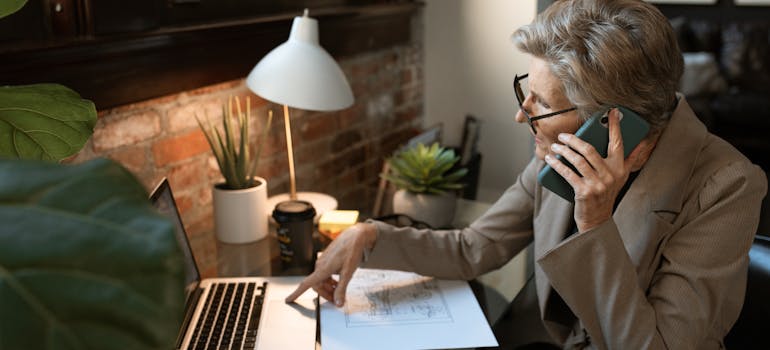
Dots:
pixel 422 169
pixel 236 157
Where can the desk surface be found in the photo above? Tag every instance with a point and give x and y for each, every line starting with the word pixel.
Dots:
pixel 261 258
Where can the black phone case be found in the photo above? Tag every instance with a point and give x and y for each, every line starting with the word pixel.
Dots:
pixel 632 127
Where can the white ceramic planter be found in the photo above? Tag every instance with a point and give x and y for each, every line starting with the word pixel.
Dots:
pixel 435 210
pixel 239 215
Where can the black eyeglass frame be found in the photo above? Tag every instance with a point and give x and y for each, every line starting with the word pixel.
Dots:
pixel 520 98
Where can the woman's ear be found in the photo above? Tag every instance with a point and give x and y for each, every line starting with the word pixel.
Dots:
pixel 641 153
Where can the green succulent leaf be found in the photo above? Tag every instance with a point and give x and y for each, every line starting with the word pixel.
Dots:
pixel 43 121
pixel 85 261
pixel 231 147
pixel 8 7
pixel 422 169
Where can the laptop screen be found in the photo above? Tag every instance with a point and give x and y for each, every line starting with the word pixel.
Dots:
pixel 163 200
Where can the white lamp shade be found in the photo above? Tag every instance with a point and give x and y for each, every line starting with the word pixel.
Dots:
pixel 300 73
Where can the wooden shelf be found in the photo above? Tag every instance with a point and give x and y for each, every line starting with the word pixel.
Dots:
pixel 120 69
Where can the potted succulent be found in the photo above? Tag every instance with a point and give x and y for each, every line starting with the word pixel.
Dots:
pixel 240 201
pixel 427 183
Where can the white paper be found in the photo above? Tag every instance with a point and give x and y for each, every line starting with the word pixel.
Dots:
pixel 387 309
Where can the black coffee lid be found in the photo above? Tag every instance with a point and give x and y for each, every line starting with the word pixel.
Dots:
pixel 293 210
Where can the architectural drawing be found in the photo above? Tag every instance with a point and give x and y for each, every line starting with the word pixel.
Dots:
pixel 380 297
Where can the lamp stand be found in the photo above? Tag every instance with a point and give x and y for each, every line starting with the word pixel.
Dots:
pixel 321 202
pixel 290 151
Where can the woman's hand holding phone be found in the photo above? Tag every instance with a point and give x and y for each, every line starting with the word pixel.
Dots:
pixel 602 179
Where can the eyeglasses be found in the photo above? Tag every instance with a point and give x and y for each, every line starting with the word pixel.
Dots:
pixel 402 220
pixel 521 96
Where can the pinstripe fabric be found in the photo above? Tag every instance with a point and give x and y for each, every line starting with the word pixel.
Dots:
pixel 668 271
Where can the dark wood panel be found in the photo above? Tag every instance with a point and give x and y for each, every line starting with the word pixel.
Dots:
pixel 117 70
pixel 723 11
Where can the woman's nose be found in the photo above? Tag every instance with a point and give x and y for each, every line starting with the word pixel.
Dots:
pixel 520 117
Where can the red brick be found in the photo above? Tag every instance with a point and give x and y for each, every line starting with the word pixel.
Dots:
pixel 177 148
pixel 344 140
pixel 363 69
pixel 207 90
pixel 351 116
pixel 273 167
pixel 259 117
pixel 275 143
pixel 256 101
pixel 355 199
pixel 133 158
pixel 115 131
pixel 409 96
pixel 319 126
pixel 405 116
pixel 183 117
pixel 384 83
pixel 360 89
pixel 277 186
pixel 204 199
pixel 407 76
pixel 139 106
pixel 188 175
pixel 313 152
pixel 353 176
pixel 213 173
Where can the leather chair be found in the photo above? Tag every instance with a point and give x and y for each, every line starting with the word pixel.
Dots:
pixel 751 329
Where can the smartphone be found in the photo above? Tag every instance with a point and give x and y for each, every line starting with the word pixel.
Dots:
pixel 596 132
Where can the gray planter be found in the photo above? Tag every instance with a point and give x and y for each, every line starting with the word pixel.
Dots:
pixel 435 210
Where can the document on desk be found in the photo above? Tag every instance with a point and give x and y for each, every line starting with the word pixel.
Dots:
pixel 387 309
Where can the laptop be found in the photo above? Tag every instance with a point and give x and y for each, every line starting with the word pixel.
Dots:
pixel 237 313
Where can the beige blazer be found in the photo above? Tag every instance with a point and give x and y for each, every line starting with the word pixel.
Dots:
pixel 668 271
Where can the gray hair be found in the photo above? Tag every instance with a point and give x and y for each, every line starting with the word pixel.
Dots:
pixel 609 52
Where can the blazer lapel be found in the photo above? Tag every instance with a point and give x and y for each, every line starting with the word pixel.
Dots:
pixel 554 218
pixel 645 213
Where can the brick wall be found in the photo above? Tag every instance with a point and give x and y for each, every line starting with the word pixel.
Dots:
pixel 339 153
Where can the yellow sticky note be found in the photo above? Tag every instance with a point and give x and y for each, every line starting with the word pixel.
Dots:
pixel 333 222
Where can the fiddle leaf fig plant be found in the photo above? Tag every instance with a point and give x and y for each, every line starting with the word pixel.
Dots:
pixel 8 7
pixel 43 121
pixel 422 169
pixel 85 260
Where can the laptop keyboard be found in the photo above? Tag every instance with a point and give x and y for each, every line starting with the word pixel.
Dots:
pixel 230 317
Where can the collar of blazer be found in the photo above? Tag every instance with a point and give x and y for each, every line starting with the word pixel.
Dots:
pixel 659 185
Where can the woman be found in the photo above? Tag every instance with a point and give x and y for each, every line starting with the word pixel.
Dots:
pixel 654 251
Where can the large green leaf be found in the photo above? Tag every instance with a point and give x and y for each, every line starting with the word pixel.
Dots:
pixel 85 261
pixel 43 121
pixel 8 7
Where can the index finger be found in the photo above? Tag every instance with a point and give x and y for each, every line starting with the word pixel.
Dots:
pixel 615 146
pixel 314 278
pixel 346 274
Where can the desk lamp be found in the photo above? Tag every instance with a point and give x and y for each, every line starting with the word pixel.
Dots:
pixel 301 74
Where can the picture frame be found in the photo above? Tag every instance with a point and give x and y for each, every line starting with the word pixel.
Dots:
pixel 469 145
